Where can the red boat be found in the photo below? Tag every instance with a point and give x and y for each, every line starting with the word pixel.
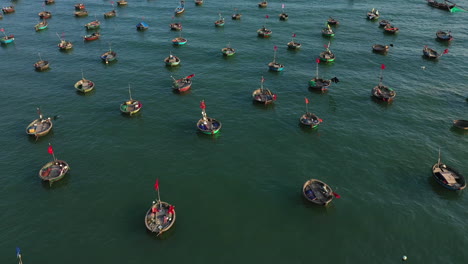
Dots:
pixel 8 9
pixel 183 84
pixel 92 37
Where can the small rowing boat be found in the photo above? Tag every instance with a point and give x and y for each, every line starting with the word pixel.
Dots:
pixel 84 85
pixel 381 91
pixel 81 13
pixel 448 177
pixel 263 4
pixel 444 35
pixel 309 119
pixel 54 170
pixel 179 41
pixel 49 2
pixel 110 14
pixel 264 32
pixel 293 44
pixel 142 26
pixel 122 3
pixel 93 36
pixel 431 53
pixel 183 84
pixel 45 14
pixel 383 23
pixel 373 14
pixel 172 60
pixel 130 106
pixel 274 65
pixel 317 192
pixel 39 127
pixel 160 217
pixel 6 39
pixel 176 26
pixel 198 2
pixel 318 83
pixel 208 125
pixel 180 8
pixel 327 55
pixel 461 124
pixel 332 22
pixel 328 31
pixel 41 25
pixel 109 56
pixel 378 48
pixel 236 15
pixel 219 22
pixel 93 25
pixel 228 51
pixel 263 95
pixel 41 65
pixel 389 28
pixel 8 9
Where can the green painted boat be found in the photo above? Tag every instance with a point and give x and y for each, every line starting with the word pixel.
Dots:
pixel 41 25
pixel 327 55
pixel 208 125
pixel 93 25
pixel 328 31
pixel 172 60
pixel 228 51
pixel 131 106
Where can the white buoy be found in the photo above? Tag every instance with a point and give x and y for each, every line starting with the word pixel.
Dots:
pixel 404 258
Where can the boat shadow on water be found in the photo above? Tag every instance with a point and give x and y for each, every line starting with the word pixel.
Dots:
pixel 208 137
pixel 381 103
pixel 164 235
pixel 458 131
pixel 172 68
pixel 174 91
pixel 443 42
pixel 442 192
pixel 57 184
pixel 317 208
pixel 263 106
pixel 86 94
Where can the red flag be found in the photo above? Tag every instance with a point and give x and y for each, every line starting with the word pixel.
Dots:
pixel 267 16
pixel 306 100
pixel 2 30
pixel 325 46
pixel 202 105
pixel 445 51
pixel 317 60
pixel 275 48
pixel 274 97
pixel 156 185
pixel 294 35
pixel 154 210
pixel 336 195
pixel 320 120
pixel 382 66
pixel 190 76
pixel 50 150
pixel 171 209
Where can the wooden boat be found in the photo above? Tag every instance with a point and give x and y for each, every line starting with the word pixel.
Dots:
pixel 236 16
pixel 446 5
pixel 110 14
pixel 430 53
pixel 332 22
pixel 264 32
pixel 461 124
pixel 263 95
pixel 49 2
pixel 263 4
pixel 283 16
pixel 198 2
pixel 389 28
pixel 122 3
pixel 180 9
pixel 6 39
pixel 45 14
pixel 383 23
pixel 131 106
pixel 142 26
pixel 39 127
pixel 328 31
pixel 294 45
pixel 327 55
pixel 219 22
pixel 444 36
pixel 109 56
pixel 373 14
pixel 172 60
pixel 8 9
pixel 81 13
pixel 93 25
pixel 447 176
pixel 93 36
pixel 381 91
pixel 84 85
pixel 41 25
pixel 274 65
pixel 208 125
pixel 310 120
pixel 54 171
pixel 179 41
pixel 378 48
pixel 80 6
pixel 228 51
pixel 160 217
pixel 65 45
pixel 41 65
pixel 317 192
pixel 183 84
pixel 318 83
pixel 176 26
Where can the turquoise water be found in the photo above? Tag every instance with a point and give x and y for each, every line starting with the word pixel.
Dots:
pixel 237 194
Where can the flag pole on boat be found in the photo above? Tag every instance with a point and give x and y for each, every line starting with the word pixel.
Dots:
pixel 18 255
pixel 51 151
pixel 307 104
pixel 130 94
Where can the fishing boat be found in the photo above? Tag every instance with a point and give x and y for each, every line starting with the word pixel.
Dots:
pixel 109 56
pixel 444 36
pixel 447 176
pixel 318 83
pixel 219 22
pixel 317 192
pixel 54 170
pixel 39 127
pixel 172 60
pixel 264 32
pixel 65 45
pixel 122 3
pixel 389 28
pixel 45 14
pixel 176 26
pixel 208 125
pixel 228 51
pixel 142 26
pixel 182 84
pixel 327 55
pixel 274 65
pixel 84 85
pixel 8 9
pixel 180 8
pixel 49 2
pixel 378 48
pixel 461 124
pixel 93 36
pixel 6 39
pixel 93 25
pixel 80 6
pixel 198 2
pixel 263 95
pixel 236 15
pixel 381 91
pixel 283 16
pixel 332 22
pixel 130 106
pixel 309 119
pixel 383 23
pixel 430 53
pixel 179 41
pixel 160 217
pixel 293 44
pixel 110 14
pixel 41 65
pixel 446 5
pixel 328 31
pixel 373 14
pixel 81 13
pixel 263 4
pixel 41 25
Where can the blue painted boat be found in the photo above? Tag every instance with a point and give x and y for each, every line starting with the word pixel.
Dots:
pixel 181 8
pixel 7 39
pixel 142 26
pixel 275 66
